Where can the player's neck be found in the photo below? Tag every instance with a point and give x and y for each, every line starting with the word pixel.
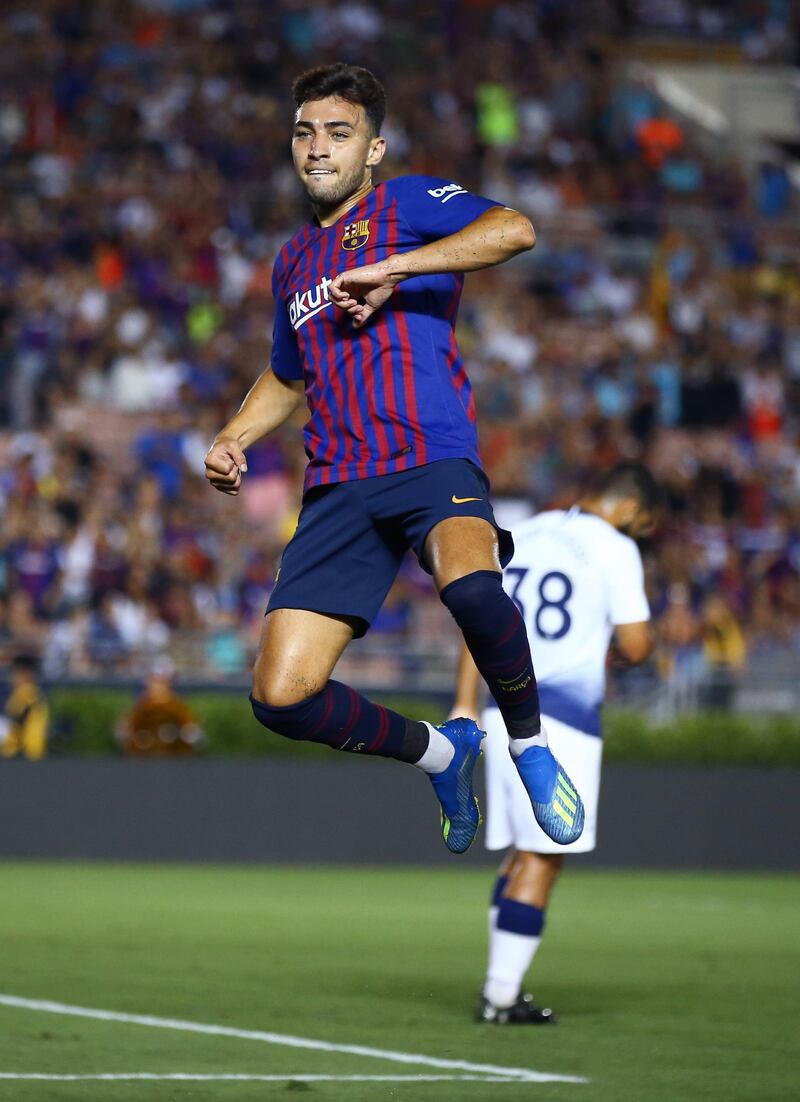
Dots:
pixel 598 507
pixel 608 509
pixel 327 216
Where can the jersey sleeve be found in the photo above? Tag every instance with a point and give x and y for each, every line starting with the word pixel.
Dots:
pixel 627 598
pixel 435 208
pixel 286 361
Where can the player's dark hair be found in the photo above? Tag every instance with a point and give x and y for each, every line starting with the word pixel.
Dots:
pixel 349 82
pixel 627 480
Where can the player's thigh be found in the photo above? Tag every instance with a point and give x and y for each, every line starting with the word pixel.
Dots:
pixel 501 780
pixel 461 545
pixel 447 518
pixel 339 563
pixel 297 654
pixel 582 757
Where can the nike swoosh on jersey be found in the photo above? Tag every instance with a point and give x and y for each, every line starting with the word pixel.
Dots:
pixel 460 500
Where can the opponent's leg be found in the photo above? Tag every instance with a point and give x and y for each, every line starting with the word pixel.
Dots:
pixel 463 555
pixel 294 696
pixel 516 925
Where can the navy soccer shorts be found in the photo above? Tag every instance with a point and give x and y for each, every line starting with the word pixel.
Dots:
pixel 351 536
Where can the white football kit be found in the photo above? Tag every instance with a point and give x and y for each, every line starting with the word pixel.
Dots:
pixel 574 577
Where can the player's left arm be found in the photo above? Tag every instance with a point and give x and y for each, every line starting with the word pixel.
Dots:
pixel 633 639
pixel 492 238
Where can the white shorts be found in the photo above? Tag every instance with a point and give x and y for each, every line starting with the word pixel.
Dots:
pixel 509 815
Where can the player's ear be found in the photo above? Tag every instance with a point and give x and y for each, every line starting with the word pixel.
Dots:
pixel 648 523
pixel 377 148
pixel 628 510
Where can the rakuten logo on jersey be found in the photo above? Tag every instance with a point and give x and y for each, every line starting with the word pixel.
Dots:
pixel 304 307
pixel 446 193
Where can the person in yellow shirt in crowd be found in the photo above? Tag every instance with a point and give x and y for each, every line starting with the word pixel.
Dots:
pixel 724 643
pixel 26 715
pixel 724 651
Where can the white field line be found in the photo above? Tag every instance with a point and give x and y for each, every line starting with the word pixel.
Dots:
pixel 188 1077
pixel 519 1074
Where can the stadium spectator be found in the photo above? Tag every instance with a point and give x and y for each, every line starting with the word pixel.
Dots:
pixel 160 724
pixel 24 722
pixel 659 137
pixel 724 650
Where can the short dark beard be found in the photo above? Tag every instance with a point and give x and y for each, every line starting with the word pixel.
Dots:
pixel 345 187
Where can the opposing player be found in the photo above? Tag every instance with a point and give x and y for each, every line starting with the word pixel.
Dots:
pixel 366 296
pixel 577 578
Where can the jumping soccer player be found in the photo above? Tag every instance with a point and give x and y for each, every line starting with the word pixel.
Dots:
pixel 366 296
pixel 577 578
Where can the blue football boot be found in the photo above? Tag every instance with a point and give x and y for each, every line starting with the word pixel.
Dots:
pixel 461 815
pixel 556 804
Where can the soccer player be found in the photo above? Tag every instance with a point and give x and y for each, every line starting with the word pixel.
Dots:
pixel 577 578
pixel 366 296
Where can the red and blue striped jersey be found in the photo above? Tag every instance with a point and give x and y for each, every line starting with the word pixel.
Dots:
pixel 393 394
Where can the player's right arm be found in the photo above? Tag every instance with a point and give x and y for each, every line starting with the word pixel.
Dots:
pixel 271 401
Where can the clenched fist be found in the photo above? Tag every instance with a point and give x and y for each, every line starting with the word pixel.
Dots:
pixel 225 465
pixel 362 291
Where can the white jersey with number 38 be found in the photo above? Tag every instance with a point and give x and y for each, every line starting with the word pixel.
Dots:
pixel 574 577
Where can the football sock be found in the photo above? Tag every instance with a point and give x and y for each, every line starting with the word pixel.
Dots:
pixel 439 753
pixel 513 940
pixel 518 746
pixel 495 634
pixel 343 719
pixel 494 905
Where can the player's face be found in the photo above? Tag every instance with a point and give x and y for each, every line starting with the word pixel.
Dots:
pixel 333 150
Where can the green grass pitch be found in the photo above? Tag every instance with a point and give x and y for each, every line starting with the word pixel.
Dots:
pixel 669 986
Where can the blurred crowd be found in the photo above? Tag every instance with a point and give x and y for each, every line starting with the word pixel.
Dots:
pixel 763 30
pixel 145 187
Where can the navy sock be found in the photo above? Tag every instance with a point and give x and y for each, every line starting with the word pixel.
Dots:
pixel 495 634
pixel 520 918
pixel 499 888
pixel 343 719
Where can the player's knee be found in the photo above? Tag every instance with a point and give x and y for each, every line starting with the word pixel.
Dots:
pixel 539 866
pixel 274 692
pixel 276 687
pixel 273 689
pixel 473 600
pixel 283 719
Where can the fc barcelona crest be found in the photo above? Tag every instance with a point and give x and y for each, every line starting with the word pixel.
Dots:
pixel 356 234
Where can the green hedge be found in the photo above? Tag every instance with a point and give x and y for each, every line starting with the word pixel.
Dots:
pixel 84 723
pixel 704 738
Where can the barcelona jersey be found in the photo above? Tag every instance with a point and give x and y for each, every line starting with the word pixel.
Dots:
pixel 393 394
